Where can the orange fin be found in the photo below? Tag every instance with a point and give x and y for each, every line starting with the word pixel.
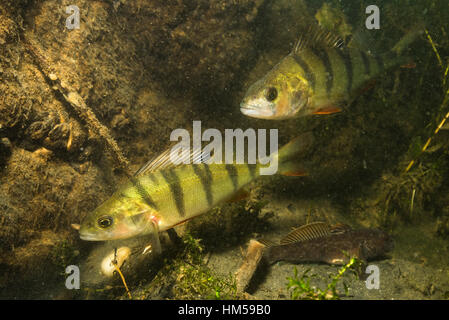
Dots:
pixel 328 110
pixel 75 226
pixel 411 65
pixel 298 173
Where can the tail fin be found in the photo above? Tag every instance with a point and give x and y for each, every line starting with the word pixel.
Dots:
pixel 407 40
pixel 288 165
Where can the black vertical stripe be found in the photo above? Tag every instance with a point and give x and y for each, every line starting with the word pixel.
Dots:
pixel 206 179
pixel 209 176
pixel 252 169
pixel 143 193
pixel 346 57
pixel 308 73
pixel 232 173
pixel 153 178
pixel 207 170
pixel 324 57
pixel 176 190
pixel 366 63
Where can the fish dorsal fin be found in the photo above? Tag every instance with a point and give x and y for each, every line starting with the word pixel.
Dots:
pixel 339 228
pixel 163 161
pixel 309 231
pixel 159 162
pixel 267 243
pixel 317 37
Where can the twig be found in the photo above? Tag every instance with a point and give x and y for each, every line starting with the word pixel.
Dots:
pixel 248 268
pixel 412 201
pixel 445 75
pixel 77 103
pixel 434 48
pixel 116 267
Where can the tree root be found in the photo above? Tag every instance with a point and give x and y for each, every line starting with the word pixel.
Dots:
pixel 74 99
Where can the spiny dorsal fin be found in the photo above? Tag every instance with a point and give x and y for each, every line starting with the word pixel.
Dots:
pixel 339 228
pixel 317 37
pixel 309 231
pixel 163 161
pixel 267 243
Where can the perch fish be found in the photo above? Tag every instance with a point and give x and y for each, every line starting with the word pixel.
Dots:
pixel 162 195
pixel 320 76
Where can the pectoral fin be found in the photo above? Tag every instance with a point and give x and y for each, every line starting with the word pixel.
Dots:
pixel 410 65
pixel 155 241
pixel 328 110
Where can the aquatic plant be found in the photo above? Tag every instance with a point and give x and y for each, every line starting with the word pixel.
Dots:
pixel 195 280
pixel 64 253
pixel 443 110
pixel 300 287
pixel 404 196
pixel 411 189
pixel 187 276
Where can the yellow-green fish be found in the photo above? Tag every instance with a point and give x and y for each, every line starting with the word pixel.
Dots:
pixel 319 76
pixel 162 195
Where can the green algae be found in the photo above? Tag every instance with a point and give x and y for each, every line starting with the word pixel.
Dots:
pixel 300 287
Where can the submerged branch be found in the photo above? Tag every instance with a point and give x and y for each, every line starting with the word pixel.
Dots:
pixel 74 99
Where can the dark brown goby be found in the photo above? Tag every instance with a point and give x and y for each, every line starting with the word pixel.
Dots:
pixel 315 242
pixel 320 242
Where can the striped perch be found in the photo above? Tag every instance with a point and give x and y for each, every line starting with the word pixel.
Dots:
pixel 162 195
pixel 319 76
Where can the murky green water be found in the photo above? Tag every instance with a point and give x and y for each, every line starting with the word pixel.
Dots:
pixel 92 90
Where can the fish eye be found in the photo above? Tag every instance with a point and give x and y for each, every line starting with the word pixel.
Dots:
pixel 105 221
pixel 271 94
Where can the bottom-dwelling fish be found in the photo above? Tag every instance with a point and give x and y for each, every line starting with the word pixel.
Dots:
pixel 162 195
pixel 320 242
pixel 315 242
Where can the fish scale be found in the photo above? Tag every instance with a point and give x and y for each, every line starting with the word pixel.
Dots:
pixel 197 191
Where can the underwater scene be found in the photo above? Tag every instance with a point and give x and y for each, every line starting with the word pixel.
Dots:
pixel 218 149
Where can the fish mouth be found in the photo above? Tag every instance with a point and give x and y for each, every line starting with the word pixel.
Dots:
pixel 90 236
pixel 255 112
